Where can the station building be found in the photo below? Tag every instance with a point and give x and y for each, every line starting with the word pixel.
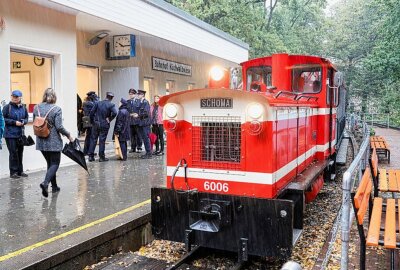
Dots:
pixel 78 46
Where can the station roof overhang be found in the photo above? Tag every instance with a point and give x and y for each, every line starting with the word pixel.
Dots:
pixel 155 18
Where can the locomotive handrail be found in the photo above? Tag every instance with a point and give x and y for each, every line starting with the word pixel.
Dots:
pixel 181 163
pixel 349 178
pixel 285 93
pixel 307 97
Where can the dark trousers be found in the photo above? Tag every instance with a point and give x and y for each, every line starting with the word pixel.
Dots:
pixel 124 149
pixel 136 142
pixel 101 134
pixel 16 152
pixel 158 129
pixel 144 133
pixel 88 138
pixel 53 162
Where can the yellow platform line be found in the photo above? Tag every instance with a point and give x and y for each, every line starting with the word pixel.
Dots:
pixel 88 225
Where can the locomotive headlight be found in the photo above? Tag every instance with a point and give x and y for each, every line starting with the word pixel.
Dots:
pixel 216 73
pixel 171 110
pixel 255 110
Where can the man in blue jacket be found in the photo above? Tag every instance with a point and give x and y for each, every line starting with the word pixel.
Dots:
pixel 1 127
pixel 15 117
pixel 101 115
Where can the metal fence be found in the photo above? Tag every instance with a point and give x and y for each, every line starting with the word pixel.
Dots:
pixel 352 176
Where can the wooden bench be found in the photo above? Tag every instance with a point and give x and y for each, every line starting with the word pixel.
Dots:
pixel 381 229
pixel 381 146
pixel 385 180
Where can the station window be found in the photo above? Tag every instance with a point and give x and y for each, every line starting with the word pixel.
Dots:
pixel 307 79
pixel 31 74
pixel 148 87
pixel 170 86
pixel 261 74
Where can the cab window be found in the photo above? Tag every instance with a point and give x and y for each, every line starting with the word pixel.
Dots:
pixel 306 79
pixel 331 89
pixel 262 74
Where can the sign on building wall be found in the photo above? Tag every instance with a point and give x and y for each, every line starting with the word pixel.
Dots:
pixel 170 66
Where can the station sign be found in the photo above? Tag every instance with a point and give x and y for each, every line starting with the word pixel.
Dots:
pixel 171 66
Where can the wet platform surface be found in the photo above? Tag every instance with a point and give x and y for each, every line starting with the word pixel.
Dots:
pixel 26 217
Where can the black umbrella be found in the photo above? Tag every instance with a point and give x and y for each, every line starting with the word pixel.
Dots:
pixel 27 141
pixel 73 151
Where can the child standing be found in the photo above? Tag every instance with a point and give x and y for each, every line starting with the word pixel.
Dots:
pixel 121 129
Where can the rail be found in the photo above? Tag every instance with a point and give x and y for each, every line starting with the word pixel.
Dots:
pixel 349 178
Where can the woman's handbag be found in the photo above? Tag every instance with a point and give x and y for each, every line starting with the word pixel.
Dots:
pixel 86 122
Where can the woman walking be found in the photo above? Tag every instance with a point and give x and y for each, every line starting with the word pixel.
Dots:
pixel 15 117
pixel 157 125
pixel 52 145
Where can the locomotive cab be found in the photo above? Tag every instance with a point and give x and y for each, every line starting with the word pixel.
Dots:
pixel 241 164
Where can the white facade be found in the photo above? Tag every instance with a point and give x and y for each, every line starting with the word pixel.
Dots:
pixel 61 29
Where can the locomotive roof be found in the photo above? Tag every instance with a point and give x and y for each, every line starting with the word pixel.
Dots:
pixel 295 58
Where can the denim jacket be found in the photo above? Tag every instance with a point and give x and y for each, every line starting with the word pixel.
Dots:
pixel 13 113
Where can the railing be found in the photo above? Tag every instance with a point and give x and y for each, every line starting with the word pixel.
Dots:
pixel 381 119
pixel 349 179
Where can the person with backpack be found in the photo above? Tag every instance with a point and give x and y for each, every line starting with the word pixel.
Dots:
pixel 47 126
pixel 15 118
pixel 121 128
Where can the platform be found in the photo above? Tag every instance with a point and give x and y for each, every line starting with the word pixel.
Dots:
pixel 27 218
pixel 342 153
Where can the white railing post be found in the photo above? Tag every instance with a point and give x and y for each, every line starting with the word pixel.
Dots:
pixel 348 183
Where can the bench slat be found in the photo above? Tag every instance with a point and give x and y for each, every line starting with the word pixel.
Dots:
pixel 398 179
pixel 390 224
pixel 375 223
pixel 358 198
pixel 383 184
pixel 364 203
pixel 392 181
pixel 374 162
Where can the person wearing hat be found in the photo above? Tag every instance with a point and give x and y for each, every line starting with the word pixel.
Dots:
pixel 133 108
pixel 15 118
pixel 101 115
pixel 88 104
pixel 144 123
pixel 121 128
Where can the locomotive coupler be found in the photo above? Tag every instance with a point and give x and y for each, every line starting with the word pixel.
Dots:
pixel 210 216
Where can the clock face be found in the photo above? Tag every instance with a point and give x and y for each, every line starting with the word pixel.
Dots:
pixel 122 45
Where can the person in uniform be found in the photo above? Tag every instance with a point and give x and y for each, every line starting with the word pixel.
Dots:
pixel 15 118
pixel 1 127
pixel 144 120
pixel 101 115
pixel 121 128
pixel 133 108
pixel 91 100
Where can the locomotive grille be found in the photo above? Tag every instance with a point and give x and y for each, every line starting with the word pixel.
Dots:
pixel 216 142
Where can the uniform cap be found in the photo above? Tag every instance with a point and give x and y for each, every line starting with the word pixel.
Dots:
pixel 123 101
pixel 16 93
pixel 91 93
pixel 109 94
pixel 132 91
pixel 141 92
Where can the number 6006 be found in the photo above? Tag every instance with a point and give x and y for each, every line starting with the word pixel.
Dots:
pixel 213 186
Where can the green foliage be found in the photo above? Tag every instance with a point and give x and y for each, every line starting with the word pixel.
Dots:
pixel 361 36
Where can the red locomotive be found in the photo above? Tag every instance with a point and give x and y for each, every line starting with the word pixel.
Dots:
pixel 242 163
